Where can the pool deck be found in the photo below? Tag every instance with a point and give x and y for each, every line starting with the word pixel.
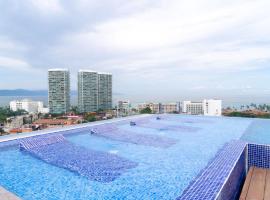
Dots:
pixel 257 184
pixel 6 195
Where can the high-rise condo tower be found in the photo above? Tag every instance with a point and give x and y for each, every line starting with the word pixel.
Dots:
pixel 59 91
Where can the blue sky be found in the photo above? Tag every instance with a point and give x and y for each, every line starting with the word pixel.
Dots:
pixel 160 50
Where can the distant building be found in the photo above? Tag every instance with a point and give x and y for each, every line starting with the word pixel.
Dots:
pixel 170 108
pixel 28 105
pixel 212 107
pixel 142 106
pixel 87 91
pixel 155 107
pixel 94 91
pixel 14 122
pixel 104 91
pixel 59 91
pixel 43 110
pixel 123 107
pixel 192 107
pixel 209 107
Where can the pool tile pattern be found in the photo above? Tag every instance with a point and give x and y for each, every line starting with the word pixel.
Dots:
pixel 8 144
pixel 104 128
pixel 209 184
pixel 38 141
pixel 233 185
pixel 164 127
pixel 139 139
pixel 259 155
pixel 95 165
pixel 188 121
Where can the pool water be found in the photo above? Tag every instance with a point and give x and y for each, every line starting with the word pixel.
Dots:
pixel 161 173
pixel 258 132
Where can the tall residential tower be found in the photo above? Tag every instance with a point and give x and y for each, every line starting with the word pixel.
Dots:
pixel 104 91
pixel 59 91
pixel 87 91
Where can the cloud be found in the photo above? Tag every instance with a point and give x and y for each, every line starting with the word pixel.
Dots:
pixel 162 43
pixel 46 7
pixel 14 64
pixel 200 37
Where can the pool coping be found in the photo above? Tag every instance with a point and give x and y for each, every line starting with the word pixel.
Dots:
pixel 5 194
pixel 234 165
pixel 198 191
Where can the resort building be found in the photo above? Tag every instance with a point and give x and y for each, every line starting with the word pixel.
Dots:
pixel 104 91
pixel 87 91
pixel 59 91
pixel 142 106
pixel 192 107
pixel 170 108
pixel 155 107
pixel 28 105
pixel 210 107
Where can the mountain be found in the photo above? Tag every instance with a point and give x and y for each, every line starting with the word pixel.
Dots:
pixel 23 92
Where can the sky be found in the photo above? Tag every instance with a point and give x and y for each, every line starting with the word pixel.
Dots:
pixel 157 50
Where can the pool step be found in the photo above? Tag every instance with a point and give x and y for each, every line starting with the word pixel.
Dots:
pixel 4 194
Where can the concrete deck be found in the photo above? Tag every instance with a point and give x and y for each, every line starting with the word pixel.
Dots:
pixel 6 195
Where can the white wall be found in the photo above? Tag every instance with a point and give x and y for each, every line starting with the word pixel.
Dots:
pixel 212 107
pixel 27 105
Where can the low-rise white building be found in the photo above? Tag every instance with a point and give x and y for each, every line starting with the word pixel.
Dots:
pixel 192 107
pixel 28 105
pixel 209 107
pixel 212 107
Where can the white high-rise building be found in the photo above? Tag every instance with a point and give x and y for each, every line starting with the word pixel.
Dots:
pixel 87 91
pixel 212 107
pixel 59 91
pixel 104 91
pixel 28 105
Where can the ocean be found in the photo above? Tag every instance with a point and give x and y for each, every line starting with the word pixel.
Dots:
pixel 4 101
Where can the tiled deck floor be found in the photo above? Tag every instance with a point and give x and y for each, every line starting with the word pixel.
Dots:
pixel 257 185
pixel 6 195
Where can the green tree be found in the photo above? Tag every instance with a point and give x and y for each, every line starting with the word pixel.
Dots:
pixel 90 117
pixel 146 110
pixel 5 112
pixel 75 110
pixel 1 131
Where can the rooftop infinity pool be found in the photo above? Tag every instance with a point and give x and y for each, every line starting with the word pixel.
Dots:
pixel 155 159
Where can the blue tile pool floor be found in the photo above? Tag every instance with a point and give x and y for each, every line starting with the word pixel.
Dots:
pixel 161 173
